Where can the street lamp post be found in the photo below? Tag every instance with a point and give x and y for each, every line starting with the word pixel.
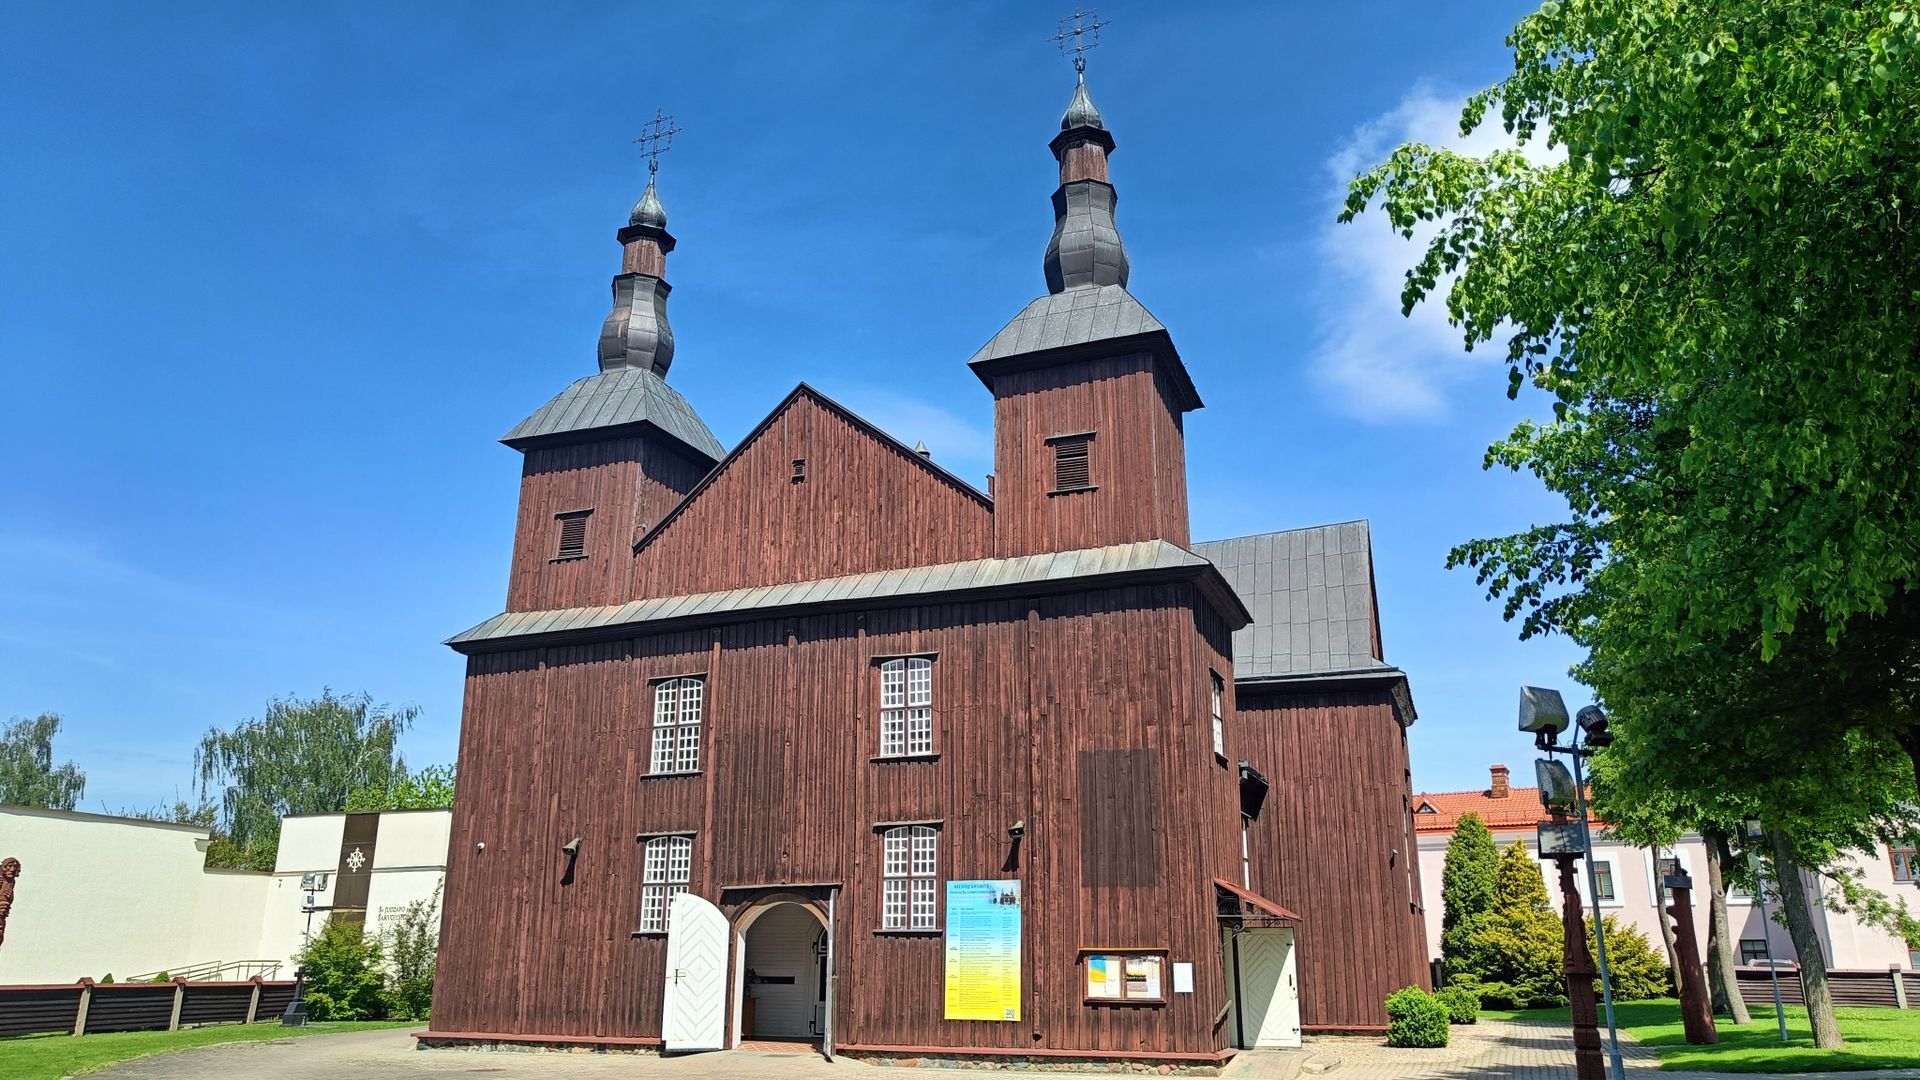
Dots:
pixel 1543 713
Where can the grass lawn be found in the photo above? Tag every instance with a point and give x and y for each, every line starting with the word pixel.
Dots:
pixel 49 1057
pixel 1876 1038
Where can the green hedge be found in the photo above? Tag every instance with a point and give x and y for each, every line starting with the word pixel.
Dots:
pixel 1461 1003
pixel 1415 1018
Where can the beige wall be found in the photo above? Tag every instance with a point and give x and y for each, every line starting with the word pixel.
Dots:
pixel 101 894
pixel 1848 944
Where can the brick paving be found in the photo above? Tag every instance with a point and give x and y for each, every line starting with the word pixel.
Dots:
pixel 1489 1050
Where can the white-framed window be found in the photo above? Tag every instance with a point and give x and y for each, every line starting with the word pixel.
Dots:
pixel 1219 701
pixel 906 706
pixel 677 708
pixel 1603 881
pixel 669 866
pixel 1671 861
pixel 1246 853
pixel 1753 950
pixel 910 866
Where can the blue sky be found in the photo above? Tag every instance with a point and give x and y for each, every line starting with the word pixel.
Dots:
pixel 277 278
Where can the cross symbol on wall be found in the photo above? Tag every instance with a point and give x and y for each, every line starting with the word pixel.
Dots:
pixel 656 138
pixel 1084 33
pixel 356 860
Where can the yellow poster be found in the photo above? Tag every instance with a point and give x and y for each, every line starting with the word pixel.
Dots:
pixel 983 950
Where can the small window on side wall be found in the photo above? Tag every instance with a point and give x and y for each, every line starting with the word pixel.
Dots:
pixel 1219 700
pixel 573 535
pixel 1072 464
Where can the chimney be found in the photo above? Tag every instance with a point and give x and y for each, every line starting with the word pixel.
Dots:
pixel 1499 789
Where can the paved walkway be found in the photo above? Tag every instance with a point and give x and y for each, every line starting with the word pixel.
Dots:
pixel 1489 1050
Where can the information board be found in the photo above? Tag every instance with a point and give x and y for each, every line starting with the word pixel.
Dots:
pixel 983 950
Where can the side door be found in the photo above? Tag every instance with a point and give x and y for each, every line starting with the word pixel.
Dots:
pixel 693 1014
pixel 1272 1007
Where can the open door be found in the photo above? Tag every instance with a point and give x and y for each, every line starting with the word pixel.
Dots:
pixel 694 1013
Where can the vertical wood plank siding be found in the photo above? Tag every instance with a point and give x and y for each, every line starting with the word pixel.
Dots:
pixel 625 482
pixel 864 505
pixel 554 746
pixel 1137 458
pixel 1335 843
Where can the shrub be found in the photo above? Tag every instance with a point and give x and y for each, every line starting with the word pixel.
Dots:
pixel 1638 972
pixel 163 977
pixel 413 944
pixel 1462 1004
pixel 343 974
pixel 1415 1018
pixel 108 980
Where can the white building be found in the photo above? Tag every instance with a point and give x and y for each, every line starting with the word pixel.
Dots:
pixel 1630 887
pixel 99 894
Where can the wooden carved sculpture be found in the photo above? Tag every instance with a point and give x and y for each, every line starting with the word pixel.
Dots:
pixel 9 871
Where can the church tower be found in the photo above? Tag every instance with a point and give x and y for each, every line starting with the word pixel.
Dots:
pixel 1088 391
pixel 609 456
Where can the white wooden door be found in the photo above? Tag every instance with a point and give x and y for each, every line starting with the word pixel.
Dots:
pixel 694 1013
pixel 1271 1009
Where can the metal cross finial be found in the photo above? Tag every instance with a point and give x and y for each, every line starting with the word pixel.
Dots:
pixel 656 139
pixel 1083 34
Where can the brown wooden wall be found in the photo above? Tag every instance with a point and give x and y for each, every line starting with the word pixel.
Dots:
pixel 865 504
pixel 1137 458
pixel 626 482
pixel 1040 705
pixel 1335 844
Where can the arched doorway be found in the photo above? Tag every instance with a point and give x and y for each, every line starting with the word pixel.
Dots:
pixel 780 972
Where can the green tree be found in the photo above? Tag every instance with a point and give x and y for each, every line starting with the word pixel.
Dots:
pixel 412 945
pixel 1466 890
pixel 343 967
pixel 1638 972
pixel 305 756
pixel 1717 288
pixel 429 789
pixel 1516 953
pixel 28 776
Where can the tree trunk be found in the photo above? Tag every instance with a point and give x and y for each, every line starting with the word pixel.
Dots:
pixel 1806 943
pixel 1666 924
pixel 1722 982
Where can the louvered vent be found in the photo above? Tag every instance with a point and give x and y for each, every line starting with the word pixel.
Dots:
pixel 1070 469
pixel 573 535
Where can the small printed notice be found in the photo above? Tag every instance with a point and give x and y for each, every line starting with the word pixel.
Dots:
pixel 983 950
pixel 1143 978
pixel 1183 978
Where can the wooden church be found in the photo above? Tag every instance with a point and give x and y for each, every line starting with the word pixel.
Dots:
pixel 811 739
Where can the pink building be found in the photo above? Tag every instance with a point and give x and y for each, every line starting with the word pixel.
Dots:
pixel 1629 886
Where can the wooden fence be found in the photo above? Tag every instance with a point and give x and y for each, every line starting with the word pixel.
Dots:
pixel 87 1007
pixel 1887 988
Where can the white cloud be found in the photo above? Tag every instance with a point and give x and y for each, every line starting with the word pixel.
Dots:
pixel 1374 363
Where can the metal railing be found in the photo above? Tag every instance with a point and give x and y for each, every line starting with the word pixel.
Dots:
pixel 214 971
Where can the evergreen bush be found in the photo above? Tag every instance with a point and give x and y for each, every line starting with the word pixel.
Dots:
pixel 1461 1003
pixel 1467 890
pixel 1638 971
pixel 1415 1018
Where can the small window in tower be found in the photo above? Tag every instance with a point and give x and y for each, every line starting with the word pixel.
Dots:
pixel 573 535
pixel 1071 468
pixel 799 470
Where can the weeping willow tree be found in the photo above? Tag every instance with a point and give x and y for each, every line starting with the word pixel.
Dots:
pixel 305 756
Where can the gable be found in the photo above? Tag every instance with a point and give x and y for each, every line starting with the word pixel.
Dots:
pixel 814 492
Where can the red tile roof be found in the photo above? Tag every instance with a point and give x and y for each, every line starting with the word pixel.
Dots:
pixel 1519 809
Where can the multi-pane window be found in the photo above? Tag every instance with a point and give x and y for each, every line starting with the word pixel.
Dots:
pixel 1219 719
pixel 1753 950
pixel 1906 864
pixel 1602 879
pixel 910 864
pixel 677 706
pixel 906 706
pixel 668 867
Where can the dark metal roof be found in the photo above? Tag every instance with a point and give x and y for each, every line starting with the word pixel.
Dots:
pixel 1049 572
pixel 1074 317
pixel 617 398
pixel 1311 595
pixel 648 210
pixel 1081 111
pixel 1085 248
